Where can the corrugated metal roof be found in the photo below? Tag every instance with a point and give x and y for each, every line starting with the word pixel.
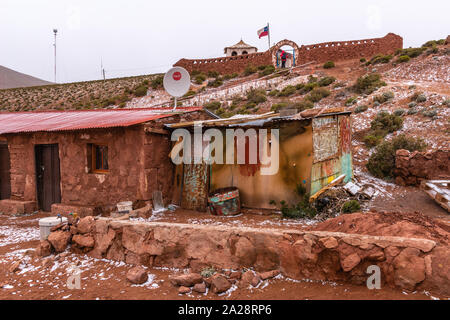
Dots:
pixel 17 122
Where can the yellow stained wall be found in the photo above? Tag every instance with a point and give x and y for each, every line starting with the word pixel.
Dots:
pixel 296 157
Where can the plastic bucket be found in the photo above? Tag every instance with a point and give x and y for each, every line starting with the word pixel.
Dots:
pixel 224 202
pixel 45 224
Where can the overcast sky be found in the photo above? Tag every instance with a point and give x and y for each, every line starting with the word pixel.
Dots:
pixel 135 37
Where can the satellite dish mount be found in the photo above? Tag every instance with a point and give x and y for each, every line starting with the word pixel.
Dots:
pixel 177 82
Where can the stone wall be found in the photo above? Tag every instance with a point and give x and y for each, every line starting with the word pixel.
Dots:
pixel 407 263
pixel 413 167
pixel 321 52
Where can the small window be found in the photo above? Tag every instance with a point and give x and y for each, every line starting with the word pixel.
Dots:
pixel 234 53
pixel 98 158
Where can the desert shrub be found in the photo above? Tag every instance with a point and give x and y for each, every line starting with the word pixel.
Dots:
pixel 299 86
pixel 305 104
pixel 207 272
pixel 215 83
pixel 421 98
pixel 431 113
pixel 307 87
pixel 433 43
pixel 385 96
pixel 312 79
pixel 380 59
pixel 369 83
pixel 362 60
pixel 157 82
pixel 328 65
pixel 339 84
pixel 351 206
pixel 213 105
pixel 412 111
pixel 382 162
pixel 383 124
pixel 278 106
pixel 189 93
pixel 200 78
pixel 256 96
pixel 446 102
pixel 412 104
pixel 140 91
pixel 403 58
pixel 318 94
pixel 230 76
pixel 361 108
pixel 399 112
pixel 326 81
pixel 213 74
pixel 250 70
pixel 274 93
pixel 269 69
pixel 411 52
pixel 351 100
pixel 287 91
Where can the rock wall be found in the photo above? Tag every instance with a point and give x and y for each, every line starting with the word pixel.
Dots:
pixel 321 52
pixel 406 263
pixel 413 167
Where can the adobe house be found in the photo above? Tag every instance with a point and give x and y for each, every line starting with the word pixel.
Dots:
pixel 86 161
pixel 314 151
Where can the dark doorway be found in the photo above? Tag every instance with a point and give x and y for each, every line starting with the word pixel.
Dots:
pixel 5 180
pixel 47 176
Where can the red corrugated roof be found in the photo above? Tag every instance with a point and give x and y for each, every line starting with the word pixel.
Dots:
pixel 16 122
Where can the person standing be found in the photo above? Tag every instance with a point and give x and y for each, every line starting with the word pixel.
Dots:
pixel 283 59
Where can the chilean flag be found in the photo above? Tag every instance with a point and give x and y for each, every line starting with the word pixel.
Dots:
pixel 263 32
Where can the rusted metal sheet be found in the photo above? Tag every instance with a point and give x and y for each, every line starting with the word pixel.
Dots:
pixel 16 122
pixel 224 202
pixel 325 138
pixel 323 173
pixel 195 187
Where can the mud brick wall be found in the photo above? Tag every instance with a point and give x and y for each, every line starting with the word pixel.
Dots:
pixel 226 65
pixel 321 52
pixel 413 167
pixel 407 263
pixel 343 50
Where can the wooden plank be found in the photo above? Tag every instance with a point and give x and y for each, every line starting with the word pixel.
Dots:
pixel 328 186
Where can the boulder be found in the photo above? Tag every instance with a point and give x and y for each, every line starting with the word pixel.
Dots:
pixel 44 249
pixel 86 225
pixel 269 274
pixel 200 287
pixel 137 275
pixel 183 290
pixel 409 269
pixel 59 240
pixel 186 280
pixel 255 280
pixel 85 241
pixel 350 261
pixel 329 242
pixel 219 283
pixel 14 267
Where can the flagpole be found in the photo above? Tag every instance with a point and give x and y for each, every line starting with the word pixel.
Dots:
pixel 268 29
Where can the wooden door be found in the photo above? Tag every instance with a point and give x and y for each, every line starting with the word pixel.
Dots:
pixel 195 187
pixel 5 180
pixel 47 176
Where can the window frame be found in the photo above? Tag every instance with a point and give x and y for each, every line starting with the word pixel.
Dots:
pixel 94 158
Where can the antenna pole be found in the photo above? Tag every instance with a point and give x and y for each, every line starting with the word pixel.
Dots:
pixel 175 106
pixel 55 31
pixel 268 29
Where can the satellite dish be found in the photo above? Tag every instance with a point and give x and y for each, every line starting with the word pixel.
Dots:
pixel 177 82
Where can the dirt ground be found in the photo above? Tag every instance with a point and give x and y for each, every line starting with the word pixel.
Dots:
pixel 105 279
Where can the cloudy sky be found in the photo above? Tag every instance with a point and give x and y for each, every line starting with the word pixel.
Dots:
pixel 135 37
